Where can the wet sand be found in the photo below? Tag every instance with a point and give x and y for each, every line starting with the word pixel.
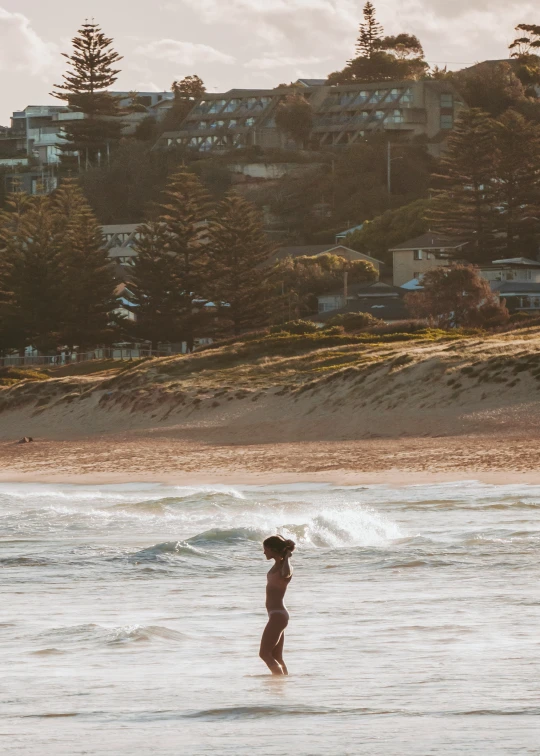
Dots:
pixel 111 459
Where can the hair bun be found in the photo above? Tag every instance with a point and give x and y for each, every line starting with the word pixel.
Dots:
pixel 290 545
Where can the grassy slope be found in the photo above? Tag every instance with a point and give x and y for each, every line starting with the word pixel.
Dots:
pixel 293 387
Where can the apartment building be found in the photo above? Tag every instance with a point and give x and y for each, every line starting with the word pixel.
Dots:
pixel 342 115
pixel 37 130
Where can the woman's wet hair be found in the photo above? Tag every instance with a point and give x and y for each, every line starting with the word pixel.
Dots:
pixel 279 544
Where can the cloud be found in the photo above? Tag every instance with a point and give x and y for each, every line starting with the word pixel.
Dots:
pixel 269 62
pixel 22 49
pixel 185 53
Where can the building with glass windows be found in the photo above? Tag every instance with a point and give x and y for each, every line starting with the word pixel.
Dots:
pixel 342 115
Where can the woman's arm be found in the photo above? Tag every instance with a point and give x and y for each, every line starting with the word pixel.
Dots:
pixel 286 566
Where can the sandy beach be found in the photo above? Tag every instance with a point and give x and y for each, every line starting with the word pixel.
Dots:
pixel 158 458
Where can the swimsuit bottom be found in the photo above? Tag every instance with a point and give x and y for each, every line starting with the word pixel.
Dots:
pixel 279 611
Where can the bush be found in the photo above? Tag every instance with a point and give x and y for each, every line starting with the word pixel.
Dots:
pixel 354 321
pixel 295 328
pixel 335 330
pixel 399 326
pixel 10 375
pixel 524 320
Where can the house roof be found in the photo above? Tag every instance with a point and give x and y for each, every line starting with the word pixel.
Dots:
pixel 120 228
pixel 512 287
pixel 385 308
pixel 343 234
pixel 315 250
pixel 430 241
pixel 521 261
pixel 412 285
pixel 376 289
pixel 312 82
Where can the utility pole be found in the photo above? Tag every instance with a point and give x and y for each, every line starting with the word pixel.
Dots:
pixel 389 168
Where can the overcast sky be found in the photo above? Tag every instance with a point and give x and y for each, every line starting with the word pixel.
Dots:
pixel 241 43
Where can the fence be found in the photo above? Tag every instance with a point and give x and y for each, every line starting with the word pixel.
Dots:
pixel 72 358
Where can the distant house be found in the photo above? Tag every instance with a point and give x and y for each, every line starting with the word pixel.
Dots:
pixel 520 269
pixel 316 250
pixel 378 299
pixel 516 280
pixel 415 257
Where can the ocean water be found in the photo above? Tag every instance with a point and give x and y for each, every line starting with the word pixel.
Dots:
pixel 130 620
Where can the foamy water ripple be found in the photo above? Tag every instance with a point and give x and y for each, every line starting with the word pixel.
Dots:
pixel 131 618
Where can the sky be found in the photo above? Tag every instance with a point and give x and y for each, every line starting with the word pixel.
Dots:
pixel 236 43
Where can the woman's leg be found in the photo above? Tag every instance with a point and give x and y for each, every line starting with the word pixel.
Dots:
pixel 277 653
pixel 270 639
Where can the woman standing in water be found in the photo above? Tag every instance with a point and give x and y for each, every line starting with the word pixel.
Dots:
pixel 279 577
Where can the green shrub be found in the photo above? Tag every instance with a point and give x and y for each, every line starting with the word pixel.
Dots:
pixel 295 328
pixel 354 321
pixel 11 375
pixel 334 330
pixel 399 326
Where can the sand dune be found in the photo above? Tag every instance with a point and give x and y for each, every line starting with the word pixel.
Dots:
pixel 415 388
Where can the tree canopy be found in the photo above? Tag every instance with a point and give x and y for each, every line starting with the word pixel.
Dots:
pixel 382 58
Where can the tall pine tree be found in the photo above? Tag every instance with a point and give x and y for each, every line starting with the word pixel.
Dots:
pixel 370 33
pixel 464 201
pixel 237 248
pixel 517 184
pixel 30 271
pixel 88 284
pixel 92 72
pixel 185 211
pixel 159 300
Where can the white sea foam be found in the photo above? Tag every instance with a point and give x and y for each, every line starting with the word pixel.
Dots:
pixel 128 605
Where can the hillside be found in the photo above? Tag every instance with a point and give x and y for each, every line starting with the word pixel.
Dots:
pixel 295 388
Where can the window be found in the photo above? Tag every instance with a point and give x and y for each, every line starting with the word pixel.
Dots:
pixel 380 115
pixel 231 106
pixel 417 255
pixel 447 121
pixel 216 106
pixel 395 94
pixel 250 122
pixel 407 96
pixel 361 97
pixel 447 100
pixel 395 116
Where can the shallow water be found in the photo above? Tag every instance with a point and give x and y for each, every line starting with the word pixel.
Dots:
pixel 131 617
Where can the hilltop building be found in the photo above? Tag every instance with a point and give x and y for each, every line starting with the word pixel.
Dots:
pixel 36 131
pixel 342 115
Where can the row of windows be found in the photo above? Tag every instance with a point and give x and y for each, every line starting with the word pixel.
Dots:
pixel 353 99
pixel 205 144
pixel 232 123
pixel 352 119
pixel 230 106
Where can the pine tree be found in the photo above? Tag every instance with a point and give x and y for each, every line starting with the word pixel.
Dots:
pixel 88 285
pixel 464 205
pixel 12 239
pixel 517 186
pixel 30 271
pixel 92 71
pixel 185 210
pixel 237 248
pixel 370 35
pixel 158 297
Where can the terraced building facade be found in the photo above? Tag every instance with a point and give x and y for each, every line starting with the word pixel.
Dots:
pixel 342 115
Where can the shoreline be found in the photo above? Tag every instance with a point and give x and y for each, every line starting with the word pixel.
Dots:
pixel 164 460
